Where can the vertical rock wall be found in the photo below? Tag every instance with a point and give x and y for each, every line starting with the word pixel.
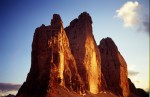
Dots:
pixel 114 68
pixel 85 51
pixel 52 63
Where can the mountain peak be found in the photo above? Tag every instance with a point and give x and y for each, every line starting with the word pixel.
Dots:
pixel 56 21
pixel 85 17
pixel 85 51
pixel 106 43
pixel 65 61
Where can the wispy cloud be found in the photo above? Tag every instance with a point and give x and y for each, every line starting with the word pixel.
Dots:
pixel 7 92
pixel 137 81
pixel 144 23
pixel 133 15
pixel 128 12
pixel 132 73
pixel 8 88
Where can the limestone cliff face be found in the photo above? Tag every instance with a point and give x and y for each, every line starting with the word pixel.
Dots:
pixel 52 63
pixel 68 63
pixel 85 51
pixel 114 68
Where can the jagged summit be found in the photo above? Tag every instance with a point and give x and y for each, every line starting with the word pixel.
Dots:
pixel 56 22
pixel 68 63
pixel 85 17
pixel 108 43
pixel 85 51
pixel 52 63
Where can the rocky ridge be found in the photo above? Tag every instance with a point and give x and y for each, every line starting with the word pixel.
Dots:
pixel 67 62
pixel 52 63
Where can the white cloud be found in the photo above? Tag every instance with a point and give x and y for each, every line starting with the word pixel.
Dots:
pixel 133 15
pixel 7 92
pixel 8 88
pixel 128 12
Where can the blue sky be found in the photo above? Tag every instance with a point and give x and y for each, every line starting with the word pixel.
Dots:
pixel 20 18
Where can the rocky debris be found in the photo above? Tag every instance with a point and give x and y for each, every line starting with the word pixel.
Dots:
pixel 52 63
pixel 64 92
pixel 114 68
pixel 85 51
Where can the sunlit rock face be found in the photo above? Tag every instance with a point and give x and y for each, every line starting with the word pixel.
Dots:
pixel 85 51
pixel 114 68
pixel 52 63
pixel 68 63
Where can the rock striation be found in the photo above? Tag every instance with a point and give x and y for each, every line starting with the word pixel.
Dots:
pixel 114 68
pixel 85 51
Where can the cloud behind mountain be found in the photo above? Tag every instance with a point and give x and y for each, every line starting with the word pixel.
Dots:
pixel 132 73
pixel 8 88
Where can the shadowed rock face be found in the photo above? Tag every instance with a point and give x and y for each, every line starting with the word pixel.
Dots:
pixel 10 95
pixel 51 62
pixel 133 90
pixel 132 87
pixel 136 92
pixel 114 68
pixel 142 93
pixel 85 51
